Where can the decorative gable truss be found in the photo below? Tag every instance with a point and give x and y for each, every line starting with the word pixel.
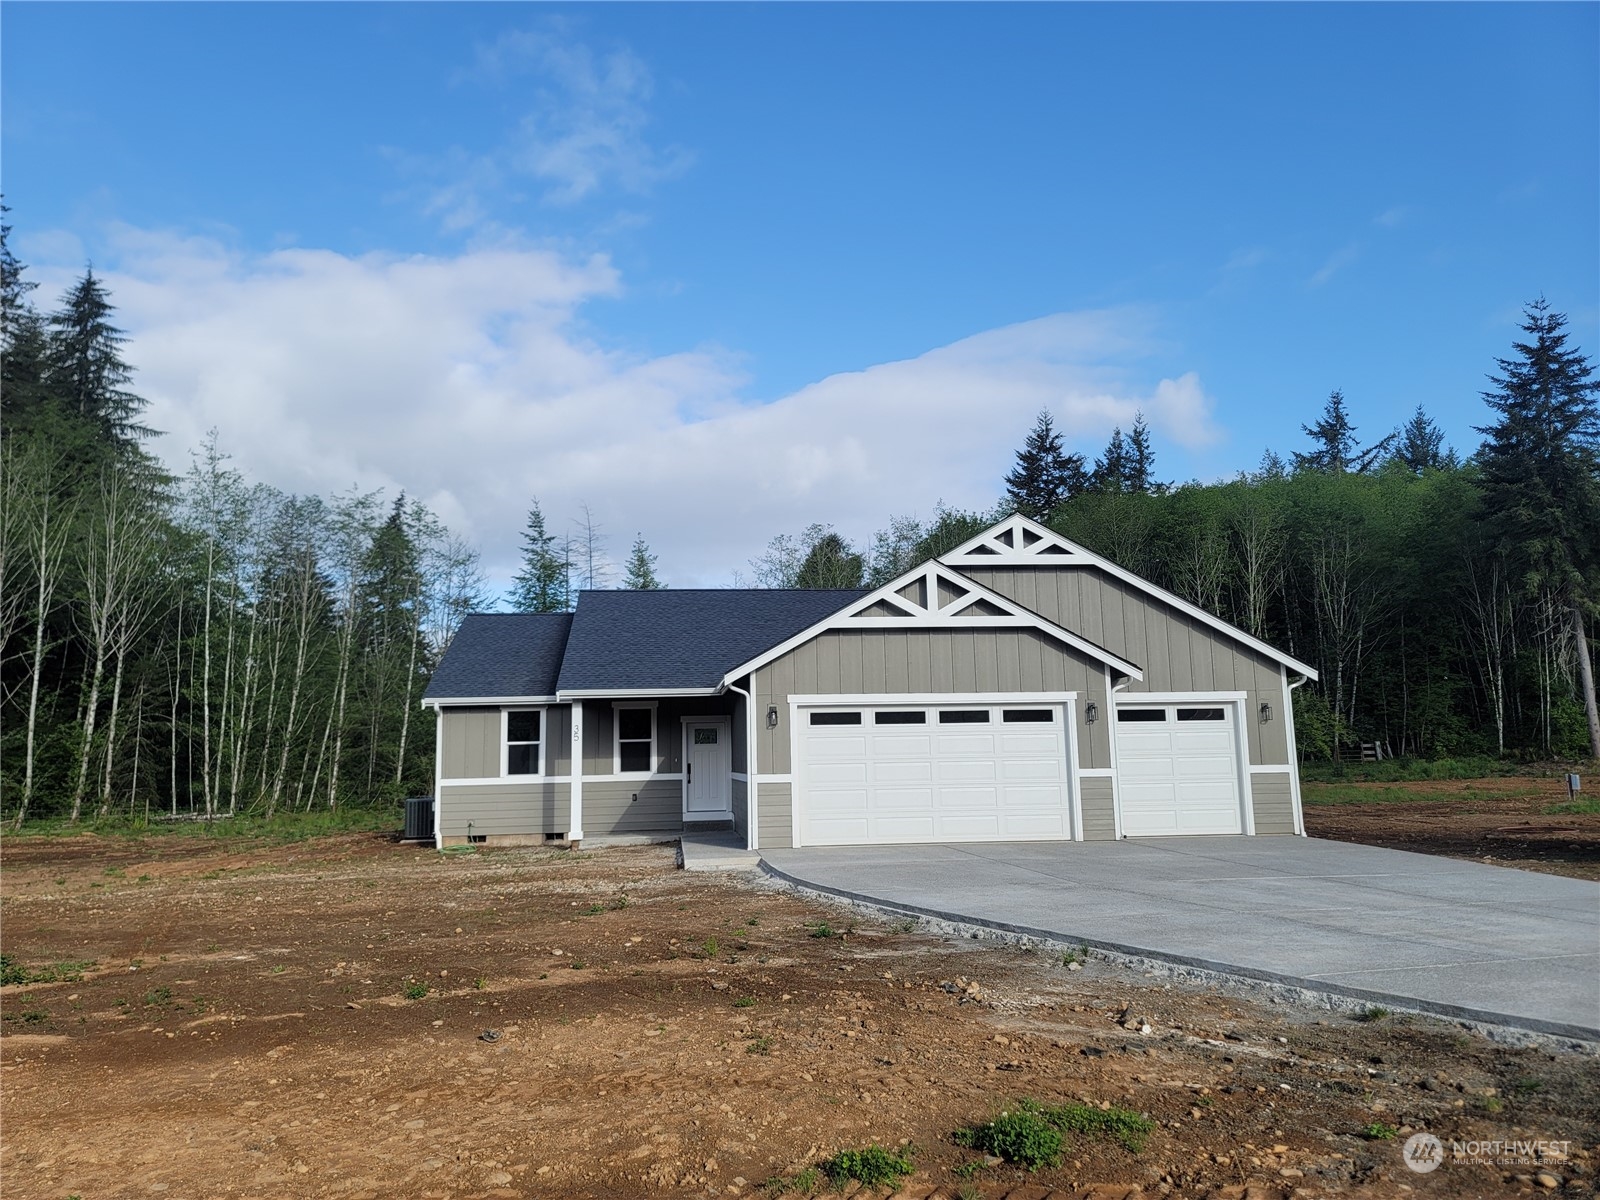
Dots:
pixel 933 596
pixel 1019 541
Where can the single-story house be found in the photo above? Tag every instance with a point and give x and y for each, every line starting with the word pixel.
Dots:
pixel 1019 687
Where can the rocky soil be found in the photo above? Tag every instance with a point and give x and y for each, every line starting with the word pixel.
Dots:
pixel 349 1017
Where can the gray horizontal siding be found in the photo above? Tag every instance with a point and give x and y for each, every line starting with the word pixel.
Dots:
pixel 776 829
pixel 632 806
pixel 1099 820
pixel 889 662
pixel 1176 652
pixel 503 809
pixel 1272 801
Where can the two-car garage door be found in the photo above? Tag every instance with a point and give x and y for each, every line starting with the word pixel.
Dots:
pixel 956 773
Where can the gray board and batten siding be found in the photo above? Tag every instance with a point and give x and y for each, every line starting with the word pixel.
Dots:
pixel 1176 652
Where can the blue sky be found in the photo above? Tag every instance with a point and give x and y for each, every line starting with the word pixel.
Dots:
pixel 717 271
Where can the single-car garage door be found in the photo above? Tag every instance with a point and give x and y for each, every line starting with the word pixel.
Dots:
pixel 957 773
pixel 1177 769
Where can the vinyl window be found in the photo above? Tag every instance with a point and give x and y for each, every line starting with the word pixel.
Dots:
pixel 524 729
pixel 635 739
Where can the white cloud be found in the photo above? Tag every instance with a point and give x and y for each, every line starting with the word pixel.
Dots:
pixel 585 129
pixel 465 381
pixel 1338 261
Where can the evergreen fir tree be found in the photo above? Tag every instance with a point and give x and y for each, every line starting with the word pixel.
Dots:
pixel 23 347
pixel 1540 475
pixel 1110 472
pixel 641 575
pixel 1045 475
pixel 1421 445
pixel 1141 459
pixel 541 585
pixel 831 564
pixel 86 372
pixel 1336 449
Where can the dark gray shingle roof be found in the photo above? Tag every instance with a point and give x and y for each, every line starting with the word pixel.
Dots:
pixel 684 638
pixel 502 655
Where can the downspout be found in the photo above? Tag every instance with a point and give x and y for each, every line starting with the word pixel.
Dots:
pixel 438 773
pixel 1294 752
pixel 751 807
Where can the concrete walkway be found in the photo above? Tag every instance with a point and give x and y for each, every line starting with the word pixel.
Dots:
pixel 717 850
pixel 1438 935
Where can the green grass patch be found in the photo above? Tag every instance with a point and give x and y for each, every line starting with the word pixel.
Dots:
pixel 1370 1014
pixel 1377 1131
pixel 1405 770
pixel 745 1002
pixel 1349 793
pixel 414 989
pixel 823 930
pixel 281 828
pixel 11 971
pixel 873 1167
pixel 1032 1135
pixel 1589 806
pixel 1022 1136
pixel 801 1183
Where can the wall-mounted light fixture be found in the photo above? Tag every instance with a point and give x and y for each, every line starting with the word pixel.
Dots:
pixel 1266 712
pixel 772 716
pixel 1091 712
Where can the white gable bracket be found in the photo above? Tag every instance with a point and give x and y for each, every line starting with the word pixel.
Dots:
pixel 1010 616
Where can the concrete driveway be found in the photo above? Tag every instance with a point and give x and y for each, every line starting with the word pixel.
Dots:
pixel 1455 938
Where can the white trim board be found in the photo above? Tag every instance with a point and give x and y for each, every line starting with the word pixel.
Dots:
pixel 889 699
pixel 1021 541
pixel 509 781
pixel 1133 699
pixel 934 615
pixel 566 695
pixel 1271 769
pixel 487 701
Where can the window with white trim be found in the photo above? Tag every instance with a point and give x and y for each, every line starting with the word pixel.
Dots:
pixel 635 739
pixel 524 737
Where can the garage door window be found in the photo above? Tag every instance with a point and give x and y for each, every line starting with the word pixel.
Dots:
pixel 1200 714
pixel 1026 716
pixel 835 718
pixel 1141 714
pixel 964 716
pixel 900 718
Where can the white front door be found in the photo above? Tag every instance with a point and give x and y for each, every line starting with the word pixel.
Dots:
pixel 1177 769
pixel 707 769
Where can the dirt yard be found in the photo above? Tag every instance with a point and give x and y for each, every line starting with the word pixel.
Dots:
pixel 1504 821
pixel 310 1020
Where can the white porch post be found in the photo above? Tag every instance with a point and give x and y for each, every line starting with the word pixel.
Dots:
pixel 575 822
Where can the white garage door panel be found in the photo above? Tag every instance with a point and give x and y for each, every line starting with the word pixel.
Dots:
pixel 1178 777
pixel 930 782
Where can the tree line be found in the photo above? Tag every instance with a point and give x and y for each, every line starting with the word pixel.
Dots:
pixel 199 644
pixel 1448 603
pixel 195 644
